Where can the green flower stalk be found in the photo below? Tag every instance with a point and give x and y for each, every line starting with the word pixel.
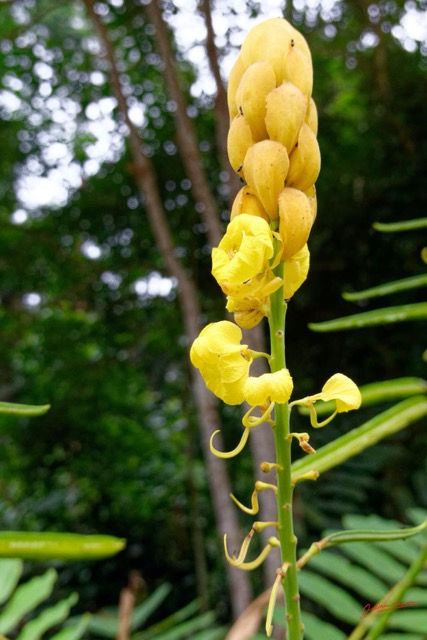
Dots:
pixel 260 264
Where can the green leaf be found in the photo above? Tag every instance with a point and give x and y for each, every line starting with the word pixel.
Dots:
pixel 213 634
pixel 26 598
pixel 143 611
pixel 57 546
pixel 316 629
pixel 377 392
pixel 409 620
pixel 10 572
pixel 74 632
pixel 47 619
pixel 388 315
pixel 184 630
pixel 385 289
pixel 406 225
pixel 350 444
pixel 171 621
pixel 356 578
pixel 23 409
pixel 376 560
pixel 334 599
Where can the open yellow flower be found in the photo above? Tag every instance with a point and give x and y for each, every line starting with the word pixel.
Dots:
pixel 269 387
pixel 343 390
pixel 223 362
pixel 243 252
pixel 338 388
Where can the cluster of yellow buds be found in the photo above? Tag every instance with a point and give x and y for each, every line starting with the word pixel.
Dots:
pixel 272 145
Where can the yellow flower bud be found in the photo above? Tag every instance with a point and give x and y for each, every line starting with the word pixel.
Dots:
pixel 296 220
pixel 295 272
pixel 286 107
pixel 243 252
pixel 247 202
pixel 304 160
pixel 247 52
pixel 312 198
pixel 273 46
pixel 265 168
pixel 269 387
pixel 237 70
pixel 239 140
pixel 311 116
pixel 256 83
pixel 298 69
pixel 223 362
pixel 248 312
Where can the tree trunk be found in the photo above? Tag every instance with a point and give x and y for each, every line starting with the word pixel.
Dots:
pixel 240 592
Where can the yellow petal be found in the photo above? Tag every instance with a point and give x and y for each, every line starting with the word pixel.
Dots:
pixel 343 390
pixel 274 387
pixel 295 272
pixel 247 202
pixel 223 362
pixel 244 251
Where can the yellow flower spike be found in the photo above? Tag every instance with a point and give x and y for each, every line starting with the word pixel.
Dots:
pixel 243 252
pixel 254 564
pixel 234 452
pixel 304 161
pixel 295 272
pixel 286 108
pixel 223 362
pixel 239 140
pixel 250 421
pixel 247 202
pixel 296 220
pixel 274 387
pixel 250 103
pixel 243 549
pixel 281 573
pixel 266 167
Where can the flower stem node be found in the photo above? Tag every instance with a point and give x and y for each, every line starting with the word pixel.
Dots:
pixel 266 467
pixel 259 486
pixel 303 439
pixel 310 475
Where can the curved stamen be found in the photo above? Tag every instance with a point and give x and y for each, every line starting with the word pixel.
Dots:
pixel 234 452
pixel 250 421
pixel 248 566
pixel 281 573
